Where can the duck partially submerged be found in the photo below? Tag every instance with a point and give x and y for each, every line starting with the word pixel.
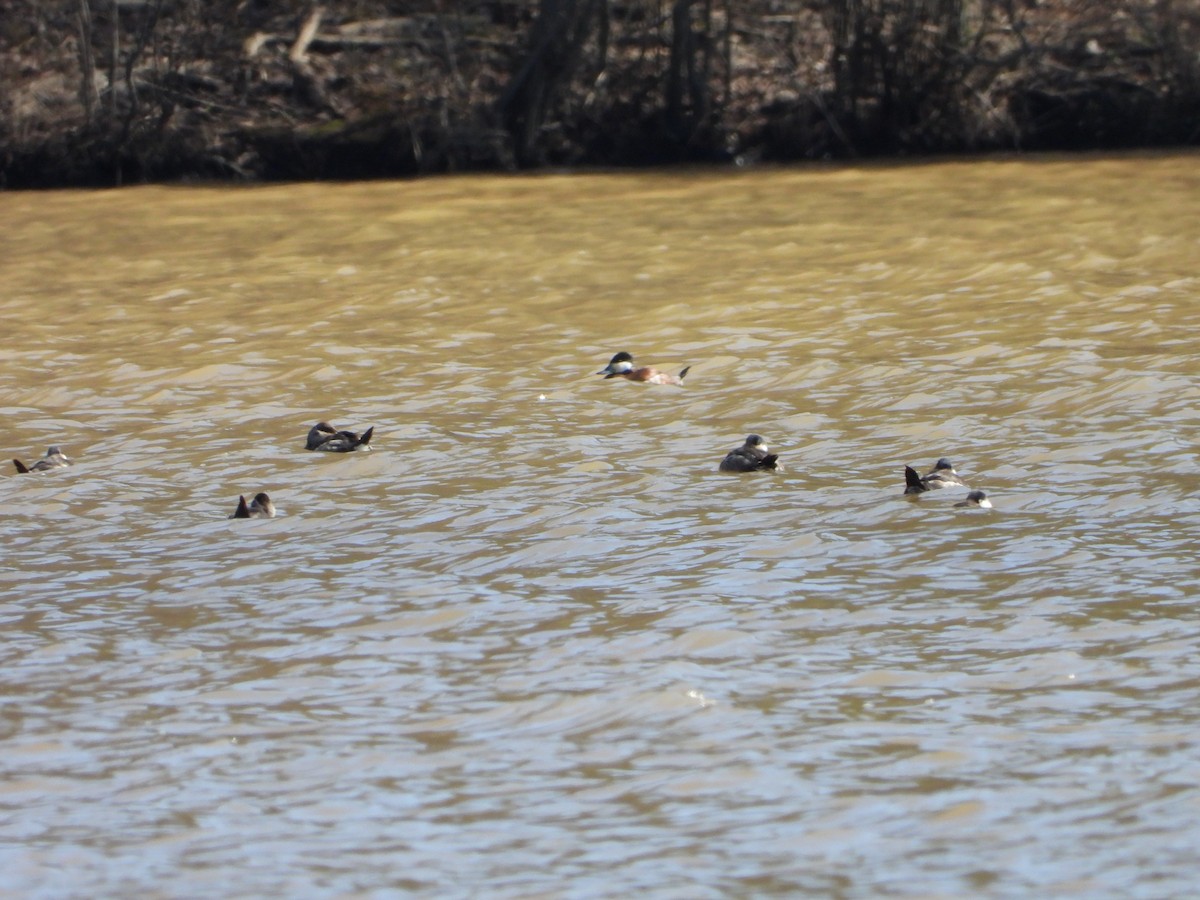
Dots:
pixel 54 459
pixel 260 507
pixel 324 436
pixel 621 366
pixel 750 457
pixel 942 475
pixel 976 500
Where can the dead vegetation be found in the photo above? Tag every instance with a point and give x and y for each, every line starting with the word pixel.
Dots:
pixel 112 91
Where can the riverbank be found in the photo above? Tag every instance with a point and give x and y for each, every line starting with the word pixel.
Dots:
pixel 151 90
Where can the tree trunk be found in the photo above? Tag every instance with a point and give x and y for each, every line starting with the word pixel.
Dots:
pixel 87 63
pixel 681 73
pixel 556 46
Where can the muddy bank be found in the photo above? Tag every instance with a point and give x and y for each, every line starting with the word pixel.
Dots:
pixel 121 91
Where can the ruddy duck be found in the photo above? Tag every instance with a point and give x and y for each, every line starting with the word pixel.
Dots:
pixel 941 475
pixel 749 457
pixel 260 507
pixel 976 499
pixel 621 366
pixel 324 436
pixel 54 459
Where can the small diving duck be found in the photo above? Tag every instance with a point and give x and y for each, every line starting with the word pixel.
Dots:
pixel 54 459
pixel 750 457
pixel 621 366
pixel 941 475
pixel 976 500
pixel 324 436
pixel 260 507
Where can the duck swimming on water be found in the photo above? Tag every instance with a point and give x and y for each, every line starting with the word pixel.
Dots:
pixel 260 507
pixel 750 457
pixel 621 366
pixel 324 436
pixel 54 459
pixel 976 500
pixel 940 476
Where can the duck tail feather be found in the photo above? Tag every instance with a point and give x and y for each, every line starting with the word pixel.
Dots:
pixel 912 481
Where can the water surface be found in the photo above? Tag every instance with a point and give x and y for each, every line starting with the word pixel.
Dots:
pixel 533 644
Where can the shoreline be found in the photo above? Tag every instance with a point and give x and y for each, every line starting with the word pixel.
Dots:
pixel 996 157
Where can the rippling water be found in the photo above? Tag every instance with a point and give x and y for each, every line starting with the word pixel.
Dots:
pixel 533 644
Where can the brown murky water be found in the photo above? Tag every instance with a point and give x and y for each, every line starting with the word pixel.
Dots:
pixel 533 644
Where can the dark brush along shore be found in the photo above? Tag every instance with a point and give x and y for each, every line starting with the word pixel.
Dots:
pixel 109 92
